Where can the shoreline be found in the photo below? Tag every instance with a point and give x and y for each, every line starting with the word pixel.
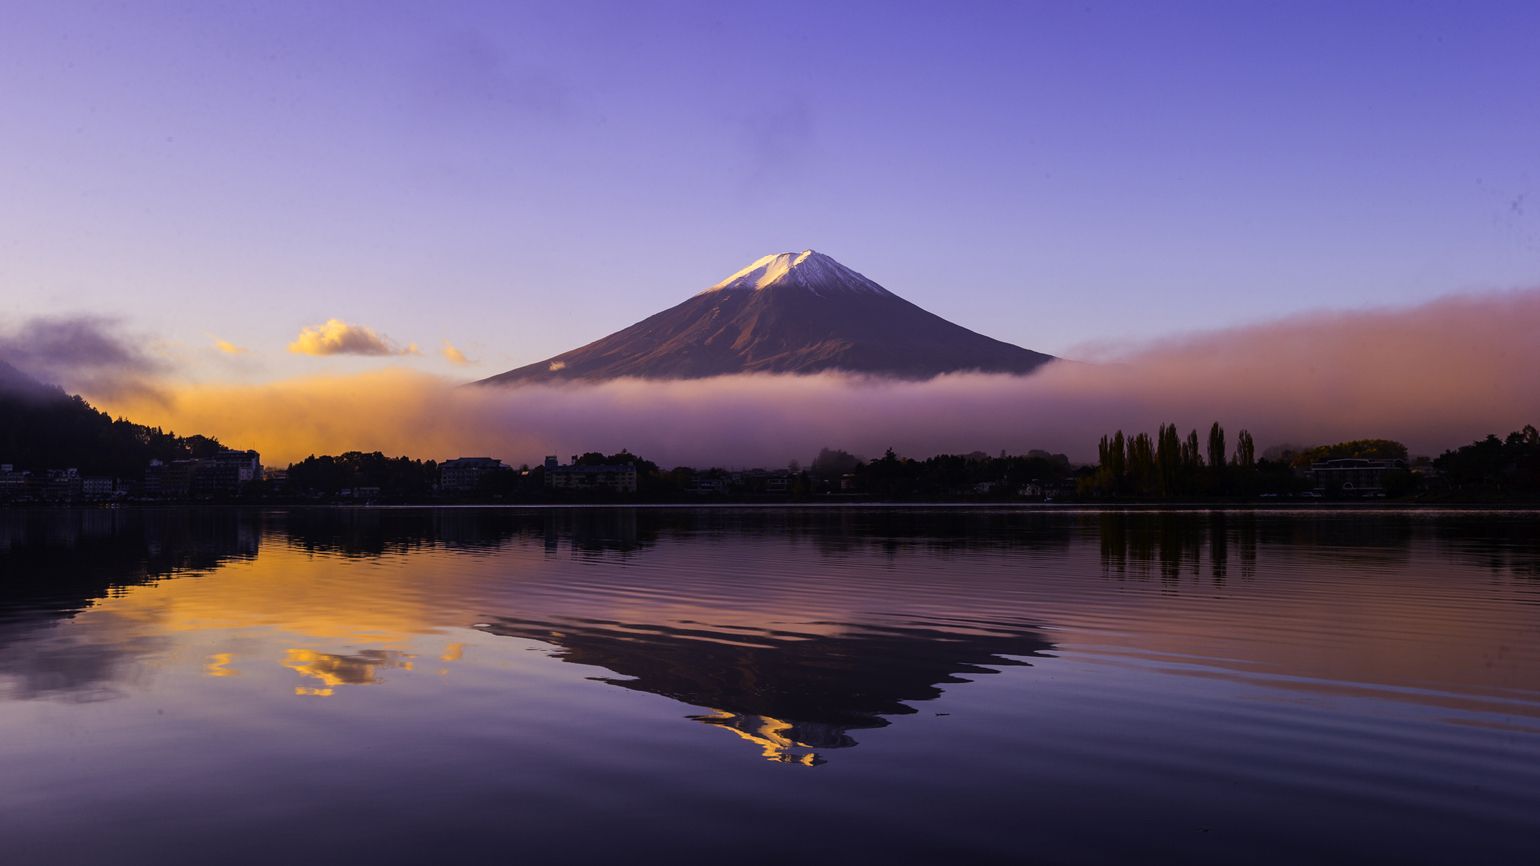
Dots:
pixel 1043 507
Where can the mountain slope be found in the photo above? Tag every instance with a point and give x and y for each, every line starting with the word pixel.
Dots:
pixel 786 313
pixel 42 427
pixel 13 380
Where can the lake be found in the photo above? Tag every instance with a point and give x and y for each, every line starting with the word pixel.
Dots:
pixel 884 685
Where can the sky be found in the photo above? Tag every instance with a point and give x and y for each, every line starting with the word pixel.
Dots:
pixel 215 201
pixel 518 179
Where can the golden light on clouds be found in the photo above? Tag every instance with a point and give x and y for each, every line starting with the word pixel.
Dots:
pixel 455 356
pixel 336 337
pixel 230 348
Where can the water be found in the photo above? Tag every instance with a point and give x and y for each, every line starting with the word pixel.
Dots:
pixel 818 685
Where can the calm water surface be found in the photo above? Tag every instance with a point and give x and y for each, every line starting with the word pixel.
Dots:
pixel 820 685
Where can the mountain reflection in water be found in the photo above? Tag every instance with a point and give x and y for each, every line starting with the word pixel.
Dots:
pixel 792 694
pixel 793 691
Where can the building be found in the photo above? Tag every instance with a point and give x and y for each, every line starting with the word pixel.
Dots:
pixel 464 474
pixel 613 477
pixel 175 479
pixel 219 476
pixel 277 479
pixel 14 483
pixel 1353 474
pixel 247 464
pixel 706 485
pixel 154 479
pixel 757 481
pixel 63 485
pixel 216 477
pixel 96 488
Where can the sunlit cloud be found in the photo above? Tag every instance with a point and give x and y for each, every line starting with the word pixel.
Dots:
pixel 455 356
pixel 336 337
pixel 229 348
pixel 1434 376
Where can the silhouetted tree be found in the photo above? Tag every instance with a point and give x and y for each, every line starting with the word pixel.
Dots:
pixel 832 463
pixel 1500 466
pixel 1168 459
pixel 42 428
pixel 1245 450
pixel 396 477
pixel 1369 449
pixel 1217 456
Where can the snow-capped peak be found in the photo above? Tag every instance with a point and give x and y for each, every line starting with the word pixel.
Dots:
pixel 810 270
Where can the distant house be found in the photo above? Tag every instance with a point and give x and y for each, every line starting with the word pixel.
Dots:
pixel 614 477
pixel 95 488
pixel 215 478
pixel 762 481
pixel 247 464
pixel 155 479
pixel 706 485
pixel 219 476
pixel 464 474
pixel 63 485
pixel 1352 474
pixel 172 480
pixel 13 483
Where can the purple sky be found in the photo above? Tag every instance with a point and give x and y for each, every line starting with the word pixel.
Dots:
pixel 518 180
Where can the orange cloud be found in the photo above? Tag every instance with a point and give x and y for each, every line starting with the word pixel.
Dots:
pixel 230 348
pixel 336 337
pixel 455 356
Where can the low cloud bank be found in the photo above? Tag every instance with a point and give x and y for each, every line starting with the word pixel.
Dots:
pixel 1434 376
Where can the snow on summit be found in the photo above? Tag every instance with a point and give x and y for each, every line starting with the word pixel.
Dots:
pixel 810 270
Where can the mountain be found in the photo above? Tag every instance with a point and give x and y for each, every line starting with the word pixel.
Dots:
pixel 787 313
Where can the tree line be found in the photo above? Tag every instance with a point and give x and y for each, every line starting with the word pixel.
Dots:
pixel 1494 467
pixel 44 428
pixel 1167 465
pixel 831 472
